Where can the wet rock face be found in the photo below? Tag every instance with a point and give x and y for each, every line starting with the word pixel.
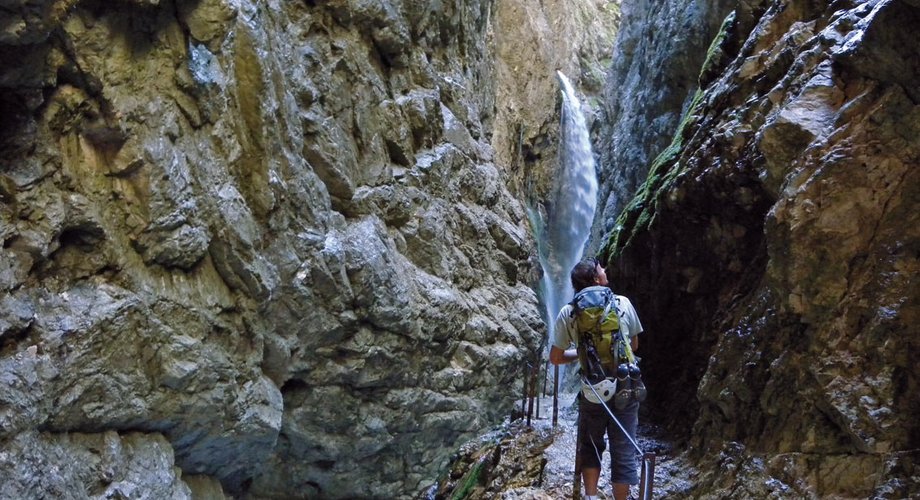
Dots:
pixel 269 239
pixel 534 40
pixel 655 67
pixel 775 251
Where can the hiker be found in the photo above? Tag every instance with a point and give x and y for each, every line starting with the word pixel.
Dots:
pixel 587 277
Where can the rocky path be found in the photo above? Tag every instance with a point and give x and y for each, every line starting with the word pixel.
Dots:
pixel 516 462
pixel 671 476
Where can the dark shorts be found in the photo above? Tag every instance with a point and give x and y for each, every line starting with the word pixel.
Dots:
pixel 594 422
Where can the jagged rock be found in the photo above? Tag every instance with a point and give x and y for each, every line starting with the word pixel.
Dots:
pixel 656 63
pixel 506 463
pixel 24 395
pixel 274 239
pixel 15 315
pixel 534 40
pixel 105 465
pixel 772 251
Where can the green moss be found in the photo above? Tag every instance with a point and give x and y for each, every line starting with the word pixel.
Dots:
pixel 714 54
pixel 470 480
pixel 640 213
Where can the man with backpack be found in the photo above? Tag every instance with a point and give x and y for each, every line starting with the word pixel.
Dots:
pixel 604 328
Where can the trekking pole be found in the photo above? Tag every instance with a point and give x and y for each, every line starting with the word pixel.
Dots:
pixel 647 478
pixel 615 419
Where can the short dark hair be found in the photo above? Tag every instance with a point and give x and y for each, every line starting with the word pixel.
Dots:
pixel 583 274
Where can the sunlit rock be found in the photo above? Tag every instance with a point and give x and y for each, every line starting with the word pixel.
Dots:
pixel 278 247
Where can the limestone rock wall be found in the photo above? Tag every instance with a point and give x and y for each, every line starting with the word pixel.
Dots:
pixel 773 256
pixel 653 74
pixel 533 41
pixel 260 248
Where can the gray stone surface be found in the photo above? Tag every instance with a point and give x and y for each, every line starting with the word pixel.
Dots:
pixel 274 240
pixel 656 63
pixel 101 465
pixel 774 254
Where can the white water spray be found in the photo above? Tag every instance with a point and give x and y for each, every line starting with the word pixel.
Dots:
pixel 567 225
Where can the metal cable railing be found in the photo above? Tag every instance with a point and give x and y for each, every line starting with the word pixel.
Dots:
pixel 647 470
pixel 531 372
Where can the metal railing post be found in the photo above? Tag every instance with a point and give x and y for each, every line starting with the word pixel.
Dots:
pixel 537 394
pixel 531 381
pixel 555 395
pixel 524 389
pixel 647 478
pixel 576 481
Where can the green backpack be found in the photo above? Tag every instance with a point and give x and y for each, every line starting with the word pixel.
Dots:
pixel 600 342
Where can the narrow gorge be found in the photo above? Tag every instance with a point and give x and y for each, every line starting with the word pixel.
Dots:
pixel 265 249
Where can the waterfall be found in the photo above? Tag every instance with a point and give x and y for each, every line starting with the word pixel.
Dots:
pixel 561 235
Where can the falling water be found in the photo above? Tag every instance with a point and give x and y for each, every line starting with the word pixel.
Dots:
pixel 563 234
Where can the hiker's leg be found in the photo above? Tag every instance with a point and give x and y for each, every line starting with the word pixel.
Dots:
pixel 592 427
pixel 590 476
pixel 624 466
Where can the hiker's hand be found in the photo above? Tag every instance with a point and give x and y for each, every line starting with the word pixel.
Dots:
pixel 559 357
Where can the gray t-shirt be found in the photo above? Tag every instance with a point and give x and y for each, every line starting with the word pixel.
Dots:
pixel 566 335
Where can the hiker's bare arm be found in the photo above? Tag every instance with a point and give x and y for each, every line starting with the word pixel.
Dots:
pixel 634 342
pixel 558 356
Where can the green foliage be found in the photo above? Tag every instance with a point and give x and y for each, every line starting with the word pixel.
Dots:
pixel 640 212
pixel 470 480
pixel 715 53
pixel 612 8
